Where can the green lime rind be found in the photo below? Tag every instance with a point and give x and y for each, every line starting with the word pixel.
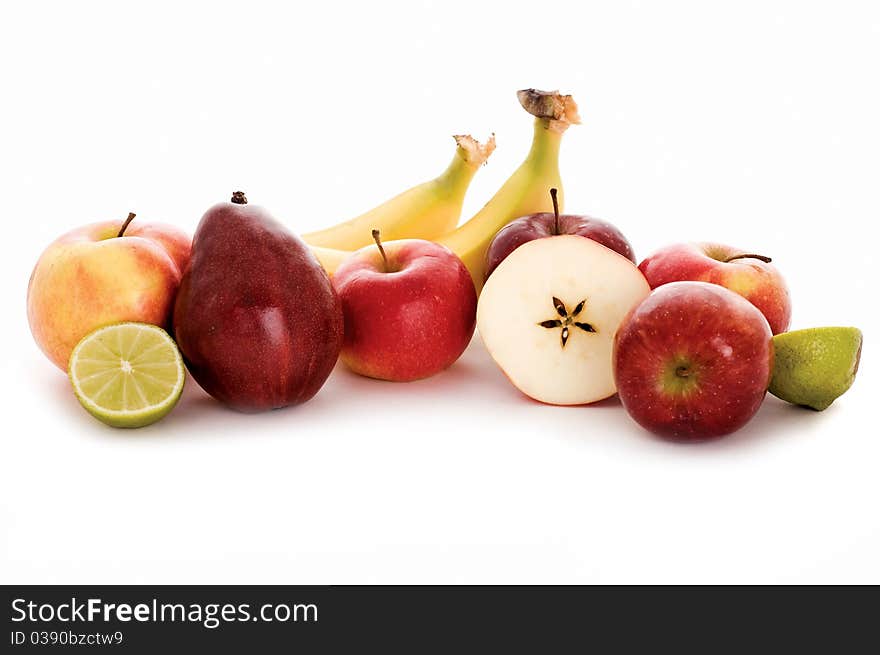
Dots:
pixel 127 375
pixel 814 367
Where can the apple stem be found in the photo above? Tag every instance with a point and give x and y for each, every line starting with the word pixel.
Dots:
pixel 553 193
pixel 128 220
pixel 378 240
pixel 766 260
pixel 682 371
pixel 239 198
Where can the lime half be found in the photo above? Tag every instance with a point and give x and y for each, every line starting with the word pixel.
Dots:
pixel 812 367
pixel 127 375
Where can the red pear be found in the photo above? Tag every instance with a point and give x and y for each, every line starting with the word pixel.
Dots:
pixel 256 318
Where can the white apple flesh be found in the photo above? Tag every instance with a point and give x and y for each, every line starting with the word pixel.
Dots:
pixel 549 312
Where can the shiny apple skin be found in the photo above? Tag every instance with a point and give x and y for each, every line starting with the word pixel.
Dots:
pixel 757 281
pixel 693 361
pixel 543 225
pixel 412 322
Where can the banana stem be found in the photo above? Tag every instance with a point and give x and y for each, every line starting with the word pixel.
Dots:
pixel 558 110
pixel 545 143
pixel 525 191
pixel 470 155
pixel 472 151
pixel 543 157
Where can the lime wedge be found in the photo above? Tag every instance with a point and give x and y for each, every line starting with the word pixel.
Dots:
pixel 812 367
pixel 127 375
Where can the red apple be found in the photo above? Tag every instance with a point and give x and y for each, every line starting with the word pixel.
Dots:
pixel 409 307
pixel 693 361
pixel 104 273
pixel 547 224
pixel 751 276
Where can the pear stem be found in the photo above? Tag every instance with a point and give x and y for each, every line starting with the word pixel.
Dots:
pixel 378 240
pixel 553 194
pixel 128 220
pixel 239 198
pixel 766 260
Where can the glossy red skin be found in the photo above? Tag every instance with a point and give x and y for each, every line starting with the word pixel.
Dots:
pixel 542 225
pixel 256 318
pixel 723 338
pixel 411 323
pixel 759 282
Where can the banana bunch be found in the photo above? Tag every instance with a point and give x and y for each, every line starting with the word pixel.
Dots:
pixel 431 210
pixel 426 211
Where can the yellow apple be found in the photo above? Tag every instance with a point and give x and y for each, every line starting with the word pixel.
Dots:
pixel 104 273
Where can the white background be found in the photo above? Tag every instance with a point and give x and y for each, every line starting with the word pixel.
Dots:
pixel 753 123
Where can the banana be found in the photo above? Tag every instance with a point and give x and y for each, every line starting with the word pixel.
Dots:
pixel 524 192
pixel 425 211
pixel 329 258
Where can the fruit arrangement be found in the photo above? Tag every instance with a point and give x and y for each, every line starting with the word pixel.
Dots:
pixel 690 339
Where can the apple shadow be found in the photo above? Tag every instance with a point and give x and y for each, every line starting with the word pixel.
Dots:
pixel 360 391
pixel 473 375
pixel 611 401
pixel 605 403
pixel 775 420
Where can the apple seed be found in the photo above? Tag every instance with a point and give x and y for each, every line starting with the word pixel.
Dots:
pixel 567 319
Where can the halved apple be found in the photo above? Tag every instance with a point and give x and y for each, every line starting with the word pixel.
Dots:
pixel 549 312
